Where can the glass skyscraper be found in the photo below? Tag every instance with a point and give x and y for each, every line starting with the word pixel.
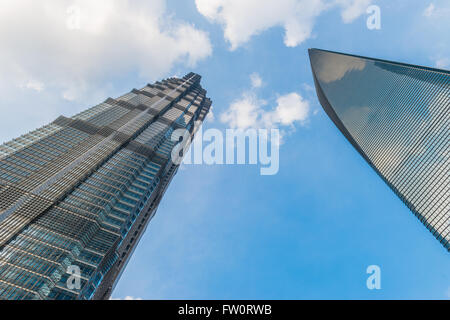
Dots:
pixel 397 116
pixel 78 193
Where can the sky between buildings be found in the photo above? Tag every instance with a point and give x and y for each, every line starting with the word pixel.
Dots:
pixel 225 231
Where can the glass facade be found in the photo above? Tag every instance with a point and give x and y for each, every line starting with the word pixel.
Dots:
pixel 397 116
pixel 81 190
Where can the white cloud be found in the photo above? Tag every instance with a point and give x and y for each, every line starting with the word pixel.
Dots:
pixel 256 80
pixel 249 111
pixel 69 95
pixel 245 112
pixel 442 63
pixel 290 108
pixel 442 11
pixel 243 19
pixel 76 53
pixel 432 23
pixel 74 45
pixel 428 12
pixel 352 9
pixel 33 85
pixel 210 116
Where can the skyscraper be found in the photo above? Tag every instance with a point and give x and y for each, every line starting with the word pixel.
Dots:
pixel 397 116
pixel 77 194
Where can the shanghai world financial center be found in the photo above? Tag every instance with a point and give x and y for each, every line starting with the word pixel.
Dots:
pixel 77 194
pixel 397 116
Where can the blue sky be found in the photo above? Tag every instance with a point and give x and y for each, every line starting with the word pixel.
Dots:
pixel 225 231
